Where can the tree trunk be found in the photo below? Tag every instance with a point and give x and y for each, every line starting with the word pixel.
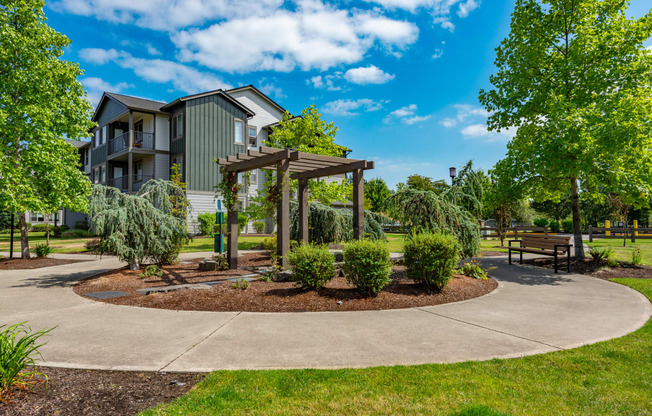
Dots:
pixel 24 241
pixel 47 229
pixel 133 265
pixel 577 224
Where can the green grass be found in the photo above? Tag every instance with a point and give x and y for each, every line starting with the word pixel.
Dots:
pixel 625 253
pixel 207 244
pixel 608 378
pixel 60 245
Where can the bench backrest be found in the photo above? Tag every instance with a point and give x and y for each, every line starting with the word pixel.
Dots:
pixel 544 242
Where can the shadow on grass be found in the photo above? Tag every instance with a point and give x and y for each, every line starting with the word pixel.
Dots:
pixel 477 411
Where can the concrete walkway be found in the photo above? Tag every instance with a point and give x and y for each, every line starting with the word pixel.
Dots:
pixel 532 311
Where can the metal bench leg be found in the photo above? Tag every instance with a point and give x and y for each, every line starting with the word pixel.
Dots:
pixel 555 261
pixel 569 260
pixel 521 253
pixel 509 250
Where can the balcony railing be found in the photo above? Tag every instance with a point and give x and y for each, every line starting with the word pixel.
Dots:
pixel 142 140
pixel 122 182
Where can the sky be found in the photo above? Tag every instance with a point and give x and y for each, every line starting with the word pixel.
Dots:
pixel 399 78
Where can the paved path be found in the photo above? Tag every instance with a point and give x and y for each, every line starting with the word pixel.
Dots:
pixel 532 311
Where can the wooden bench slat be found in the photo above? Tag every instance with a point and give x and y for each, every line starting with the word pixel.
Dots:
pixel 547 245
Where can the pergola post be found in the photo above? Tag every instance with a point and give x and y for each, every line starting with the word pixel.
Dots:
pixel 358 204
pixel 283 212
pixel 232 221
pixel 303 210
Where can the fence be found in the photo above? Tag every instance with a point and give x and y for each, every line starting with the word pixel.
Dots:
pixel 513 231
pixel 622 233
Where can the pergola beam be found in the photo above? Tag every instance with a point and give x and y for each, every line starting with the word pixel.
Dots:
pixel 334 170
pixel 233 164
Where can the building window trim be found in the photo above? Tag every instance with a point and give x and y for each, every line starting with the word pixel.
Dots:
pixel 235 132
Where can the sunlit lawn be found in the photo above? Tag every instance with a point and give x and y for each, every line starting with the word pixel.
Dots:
pixel 60 245
pixel 608 378
pixel 208 244
pixel 625 253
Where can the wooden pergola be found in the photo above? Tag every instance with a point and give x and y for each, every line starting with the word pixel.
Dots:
pixel 295 165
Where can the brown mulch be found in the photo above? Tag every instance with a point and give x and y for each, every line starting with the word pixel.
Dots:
pixel 33 263
pixel 260 296
pixel 97 392
pixel 596 269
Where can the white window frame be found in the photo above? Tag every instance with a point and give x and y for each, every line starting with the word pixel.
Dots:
pixel 178 126
pixel 235 132
pixel 104 135
pixel 249 136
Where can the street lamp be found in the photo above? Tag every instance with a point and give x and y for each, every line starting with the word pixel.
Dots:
pixel 453 173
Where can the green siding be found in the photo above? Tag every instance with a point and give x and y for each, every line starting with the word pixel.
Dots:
pixel 110 110
pixel 210 135
pixel 98 155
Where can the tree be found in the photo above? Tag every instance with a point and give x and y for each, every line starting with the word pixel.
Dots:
pixel 423 183
pixel 146 226
pixel 376 192
pixel 557 210
pixel 575 81
pixel 41 103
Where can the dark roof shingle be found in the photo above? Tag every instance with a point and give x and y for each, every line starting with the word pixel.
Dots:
pixel 137 103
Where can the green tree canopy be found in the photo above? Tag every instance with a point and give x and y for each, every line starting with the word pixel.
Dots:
pixel 41 103
pixel 575 80
pixel 557 210
pixel 422 183
pixel 376 192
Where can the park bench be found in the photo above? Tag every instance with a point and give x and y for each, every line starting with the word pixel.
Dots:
pixel 548 245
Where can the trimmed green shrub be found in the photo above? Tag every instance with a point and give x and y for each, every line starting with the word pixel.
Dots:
pixel 554 226
pixel 18 350
pixel 367 265
pixel 259 227
pixel 39 228
pixel 567 225
pixel 269 244
pixel 82 225
pixel 540 222
pixel 312 265
pixel 243 219
pixel 42 250
pixel 207 224
pixel 77 233
pixel 430 258
pixel 58 231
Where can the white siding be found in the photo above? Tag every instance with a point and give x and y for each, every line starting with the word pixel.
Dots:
pixel 162 166
pixel 162 133
pixel 200 202
pixel 266 113
pixel 148 166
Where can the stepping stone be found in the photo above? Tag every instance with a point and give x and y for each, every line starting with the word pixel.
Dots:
pixel 214 282
pixel 166 289
pixel 107 295
pixel 247 277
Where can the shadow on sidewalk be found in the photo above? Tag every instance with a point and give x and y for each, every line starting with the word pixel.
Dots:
pixel 515 273
pixel 59 279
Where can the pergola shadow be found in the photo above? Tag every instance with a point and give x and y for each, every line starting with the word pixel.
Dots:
pixel 295 165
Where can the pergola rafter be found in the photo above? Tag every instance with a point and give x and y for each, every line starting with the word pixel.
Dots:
pixel 292 164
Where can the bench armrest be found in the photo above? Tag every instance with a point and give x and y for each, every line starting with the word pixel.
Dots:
pixel 563 245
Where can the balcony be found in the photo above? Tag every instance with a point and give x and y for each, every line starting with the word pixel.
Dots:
pixel 122 182
pixel 142 141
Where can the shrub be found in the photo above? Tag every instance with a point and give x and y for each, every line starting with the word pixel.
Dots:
pixel 269 244
pixel 367 265
pixel 259 227
pixel 430 258
pixel 473 269
pixel 637 256
pixel 601 254
pixel 58 231
pixel 554 226
pixel 42 250
pixel 567 225
pixel 76 233
pixel 28 225
pixel 243 219
pixel 540 222
pixel 312 265
pixel 5 231
pixel 92 245
pixel 207 224
pixel 82 225
pixel 152 270
pixel 38 228
pixel 18 349
pixel 222 262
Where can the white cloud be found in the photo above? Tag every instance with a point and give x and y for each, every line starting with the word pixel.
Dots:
pixel 98 56
pixel 152 50
pixel 96 86
pixel 480 130
pixel 328 82
pixel 268 88
pixel 182 77
pixel 467 7
pixel 448 122
pixel 165 14
pixel 406 115
pixel 367 75
pixel 438 54
pixel 315 35
pixel 351 107
pixel 448 25
pixel 473 119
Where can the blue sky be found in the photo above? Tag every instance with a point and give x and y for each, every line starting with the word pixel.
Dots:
pixel 400 78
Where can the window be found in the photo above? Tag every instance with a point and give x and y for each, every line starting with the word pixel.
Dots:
pixel 138 169
pixel 104 134
pixel 239 132
pixel 98 132
pixel 96 175
pixel 252 136
pixel 177 127
pixel 86 152
pixel 102 174
pixel 253 179
pixel 34 217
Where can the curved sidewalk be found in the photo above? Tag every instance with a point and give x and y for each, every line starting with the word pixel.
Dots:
pixel 532 311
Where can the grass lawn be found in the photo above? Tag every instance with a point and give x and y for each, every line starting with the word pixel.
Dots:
pixel 208 244
pixel 609 378
pixel 60 245
pixel 625 253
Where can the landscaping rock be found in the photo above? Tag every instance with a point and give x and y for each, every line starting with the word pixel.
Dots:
pixel 208 265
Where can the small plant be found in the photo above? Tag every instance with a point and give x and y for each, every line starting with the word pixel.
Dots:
pixel 612 263
pixel 222 262
pixel 152 270
pixel 540 222
pixel 567 225
pixel 367 266
pixel 312 265
pixel 269 244
pixel 240 284
pixel 267 277
pixel 92 245
pixel 554 226
pixel 42 250
pixel 600 255
pixel 473 269
pixel 430 258
pixel 637 256
pixel 18 349
pixel 259 226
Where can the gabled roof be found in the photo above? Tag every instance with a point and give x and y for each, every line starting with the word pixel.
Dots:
pixel 133 103
pixel 257 91
pixel 78 143
pixel 209 93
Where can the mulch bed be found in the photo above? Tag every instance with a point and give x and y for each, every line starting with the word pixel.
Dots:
pixel 596 269
pixel 262 296
pixel 97 392
pixel 33 263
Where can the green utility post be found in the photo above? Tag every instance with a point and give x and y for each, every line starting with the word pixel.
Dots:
pixel 219 237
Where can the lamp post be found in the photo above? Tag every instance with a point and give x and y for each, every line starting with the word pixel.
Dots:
pixel 453 173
